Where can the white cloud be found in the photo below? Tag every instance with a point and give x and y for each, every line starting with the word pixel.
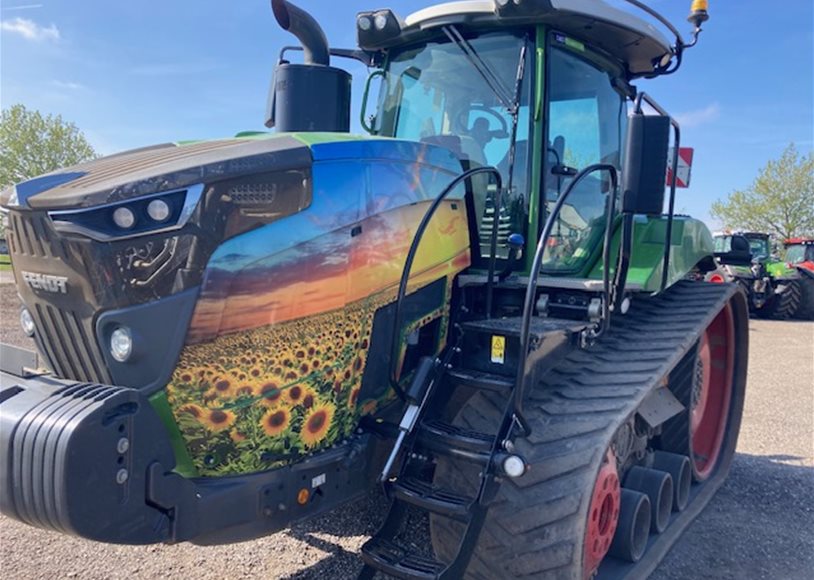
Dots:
pixel 68 86
pixel 699 116
pixel 21 7
pixel 30 30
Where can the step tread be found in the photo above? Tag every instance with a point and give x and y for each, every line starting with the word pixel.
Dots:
pixel 438 433
pixel 511 326
pixel 432 498
pixel 390 558
pixel 481 380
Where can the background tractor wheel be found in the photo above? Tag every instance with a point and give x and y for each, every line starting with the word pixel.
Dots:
pixel 785 305
pixel 806 309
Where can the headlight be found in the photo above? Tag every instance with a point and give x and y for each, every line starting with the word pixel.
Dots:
pixel 27 322
pixel 121 344
pixel 124 218
pixel 159 210
pixel 152 214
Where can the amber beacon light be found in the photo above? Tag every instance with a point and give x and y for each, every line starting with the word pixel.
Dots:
pixel 699 13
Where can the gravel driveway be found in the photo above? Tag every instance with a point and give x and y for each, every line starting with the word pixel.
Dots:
pixel 760 525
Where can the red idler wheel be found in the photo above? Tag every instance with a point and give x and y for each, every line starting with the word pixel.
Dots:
pixel 712 393
pixel 603 515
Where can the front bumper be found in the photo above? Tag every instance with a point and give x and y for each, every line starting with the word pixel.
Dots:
pixel 95 461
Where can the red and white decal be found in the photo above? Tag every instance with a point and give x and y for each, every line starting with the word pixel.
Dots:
pixel 685 155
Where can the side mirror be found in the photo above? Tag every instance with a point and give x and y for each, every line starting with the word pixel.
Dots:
pixel 645 164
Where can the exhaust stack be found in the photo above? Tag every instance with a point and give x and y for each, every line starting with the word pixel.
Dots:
pixel 307 30
pixel 313 96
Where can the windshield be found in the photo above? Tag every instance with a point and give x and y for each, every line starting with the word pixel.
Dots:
pixel 800 253
pixel 434 93
pixel 587 118
pixel 759 248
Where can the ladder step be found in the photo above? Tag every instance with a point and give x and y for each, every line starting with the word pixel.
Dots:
pixel 422 494
pixel 455 441
pixel 392 559
pixel 481 380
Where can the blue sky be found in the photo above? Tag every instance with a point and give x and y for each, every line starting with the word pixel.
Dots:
pixel 136 73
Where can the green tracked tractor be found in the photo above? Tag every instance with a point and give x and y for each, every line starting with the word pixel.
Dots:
pixel 480 305
pixel 773 286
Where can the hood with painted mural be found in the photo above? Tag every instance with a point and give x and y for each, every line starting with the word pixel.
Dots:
pixel 165 167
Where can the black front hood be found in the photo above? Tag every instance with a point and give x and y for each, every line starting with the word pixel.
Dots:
pixel 160 168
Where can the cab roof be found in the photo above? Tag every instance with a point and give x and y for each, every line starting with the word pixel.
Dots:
pixel 636 44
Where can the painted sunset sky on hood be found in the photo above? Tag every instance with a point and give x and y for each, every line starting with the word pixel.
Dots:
pixel 351 243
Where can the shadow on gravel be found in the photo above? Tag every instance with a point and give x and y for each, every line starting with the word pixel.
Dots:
pixel 759 525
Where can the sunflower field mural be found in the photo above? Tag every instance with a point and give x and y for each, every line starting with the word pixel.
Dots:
pixel 279 341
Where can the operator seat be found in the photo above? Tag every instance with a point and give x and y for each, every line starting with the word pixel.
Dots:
pixel 739 254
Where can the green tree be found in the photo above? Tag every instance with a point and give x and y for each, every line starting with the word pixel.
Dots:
pixel 32 144
pixel 780 200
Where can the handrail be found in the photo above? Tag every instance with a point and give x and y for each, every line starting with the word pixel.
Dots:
pixel 534 274
pixel 408 263
pixel 671 212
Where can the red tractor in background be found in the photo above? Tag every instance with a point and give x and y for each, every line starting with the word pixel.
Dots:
pixel 800 256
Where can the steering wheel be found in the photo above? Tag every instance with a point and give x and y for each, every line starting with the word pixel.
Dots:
pixel 461 122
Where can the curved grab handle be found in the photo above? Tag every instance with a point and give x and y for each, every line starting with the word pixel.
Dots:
pixel 408 263
pixel 536 266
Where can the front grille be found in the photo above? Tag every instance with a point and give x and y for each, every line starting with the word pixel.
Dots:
pixel 67 342
pixel 28 236
pixel 65 336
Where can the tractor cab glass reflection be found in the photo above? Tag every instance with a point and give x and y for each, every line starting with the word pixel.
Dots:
pixel 433 93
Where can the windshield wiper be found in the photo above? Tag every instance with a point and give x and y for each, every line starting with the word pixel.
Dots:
pixel 492 80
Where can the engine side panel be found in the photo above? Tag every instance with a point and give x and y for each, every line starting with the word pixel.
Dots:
pixel 279 340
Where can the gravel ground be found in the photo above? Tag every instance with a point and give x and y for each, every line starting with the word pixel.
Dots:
pixel 759 525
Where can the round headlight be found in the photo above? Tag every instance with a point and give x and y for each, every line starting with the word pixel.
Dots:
pixel 27 322
pixel 364 23
pixel 121 344
pixel 158 210
pixel 514 466
pixel 124 218
pixel 381 21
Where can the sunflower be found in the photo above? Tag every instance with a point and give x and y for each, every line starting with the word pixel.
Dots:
pixel 221 387
pixel 275 421
pixel 245 389
pixel 192 410
pixel 317 423
pixel 354 397
pixel 271 393
pixel 295 394
pixel 216 420
pixel 237 436
pixel 308 398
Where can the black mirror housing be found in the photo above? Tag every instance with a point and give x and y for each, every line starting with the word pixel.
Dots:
pixel 739 254
pixel 645 164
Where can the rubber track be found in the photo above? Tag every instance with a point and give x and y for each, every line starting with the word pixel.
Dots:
pixel 535 528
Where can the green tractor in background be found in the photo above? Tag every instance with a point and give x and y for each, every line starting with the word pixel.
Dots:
pixel 773 286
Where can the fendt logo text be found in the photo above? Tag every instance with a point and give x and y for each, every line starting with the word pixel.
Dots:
pixel 46 283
